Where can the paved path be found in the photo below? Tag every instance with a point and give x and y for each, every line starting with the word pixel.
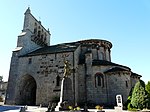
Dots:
pixel 34 109
pixel 17 109
pixel 7 108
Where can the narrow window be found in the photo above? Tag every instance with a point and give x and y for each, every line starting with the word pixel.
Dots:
pixel 57 81
pixel 39 33
pixel 101 56
pixel 45 34
pixel 35 31
pixel 99 80
pixel 30 61
pixel 35 24
pixel 126 83
pixel 42 37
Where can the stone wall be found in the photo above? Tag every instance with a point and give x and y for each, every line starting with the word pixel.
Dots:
pixel 44 69
pixel 118 83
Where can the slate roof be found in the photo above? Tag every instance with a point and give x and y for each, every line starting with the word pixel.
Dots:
pixel 135 74
pixel 114 69
pixel 104 62
pixel 67 47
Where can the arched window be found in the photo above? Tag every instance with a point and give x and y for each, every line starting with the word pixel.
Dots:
pixel 127 84
pixel 42 38
pixel 57 81
pixel 101 56
pixel 39 33
pixel 30 61
pixel 35 30
pixel 99 80
pixel 35 24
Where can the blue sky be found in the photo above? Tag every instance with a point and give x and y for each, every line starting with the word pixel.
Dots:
pixel 125 23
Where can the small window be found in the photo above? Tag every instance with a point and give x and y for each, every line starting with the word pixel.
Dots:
pixel 41 38
pixel 126 83
pixel 35 30
pixel 39 33
pixel 101 56
pixel 57 81
pixel 35 24
pixel 99 80
pixel 45 39
pixel 30 61
pixel 45 34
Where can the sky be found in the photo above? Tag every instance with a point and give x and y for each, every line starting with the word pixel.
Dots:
pixel 125 23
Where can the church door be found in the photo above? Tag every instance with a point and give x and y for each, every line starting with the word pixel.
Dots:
pixel 28 91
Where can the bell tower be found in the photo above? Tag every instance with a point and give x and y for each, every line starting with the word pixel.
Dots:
pixel 33 35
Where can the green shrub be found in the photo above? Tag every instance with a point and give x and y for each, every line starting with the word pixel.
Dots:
pixel 148 91
pixel 139 96
pixel 128 102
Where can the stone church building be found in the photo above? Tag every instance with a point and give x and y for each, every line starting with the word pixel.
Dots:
pixel 37 68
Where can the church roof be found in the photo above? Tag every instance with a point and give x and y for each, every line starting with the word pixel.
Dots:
pixel 135 74
pixel 67 47
pixel 104 62
pixel 114 69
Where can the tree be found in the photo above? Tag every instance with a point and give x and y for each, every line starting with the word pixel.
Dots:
pixel 148 87
pixel 139 96
pixel 148 91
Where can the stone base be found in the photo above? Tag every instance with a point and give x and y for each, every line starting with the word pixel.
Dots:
pixel 118 109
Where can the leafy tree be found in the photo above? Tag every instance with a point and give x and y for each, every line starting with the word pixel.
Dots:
pixel 148 87
pixel 139 96
pixel 148 91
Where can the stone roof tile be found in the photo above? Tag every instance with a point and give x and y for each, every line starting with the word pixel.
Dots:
pixel 68 47
pixel 115 69
pixel 104 62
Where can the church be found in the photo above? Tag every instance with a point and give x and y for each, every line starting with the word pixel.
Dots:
pixel 37 68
